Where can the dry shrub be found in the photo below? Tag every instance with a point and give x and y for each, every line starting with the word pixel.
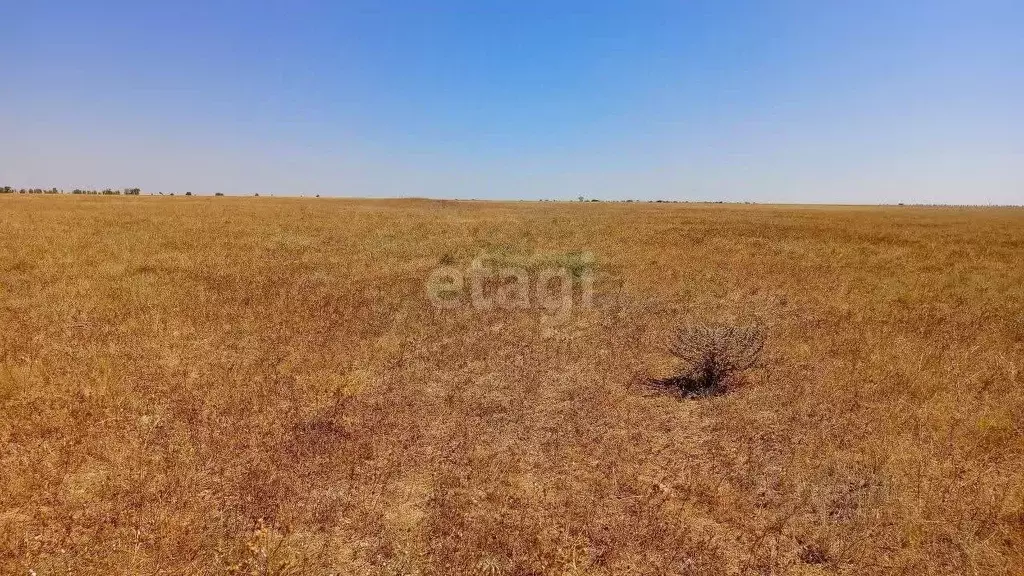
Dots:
pixel 713 355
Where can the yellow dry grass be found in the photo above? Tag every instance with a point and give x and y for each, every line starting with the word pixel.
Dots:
pixel 261 386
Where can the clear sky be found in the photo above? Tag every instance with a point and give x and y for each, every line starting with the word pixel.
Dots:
pixel 792 101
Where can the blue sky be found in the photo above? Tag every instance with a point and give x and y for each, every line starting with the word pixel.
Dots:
pixel 795 101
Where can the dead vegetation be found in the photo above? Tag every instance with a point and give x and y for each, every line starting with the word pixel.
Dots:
pixel 712 356
pixel 261 386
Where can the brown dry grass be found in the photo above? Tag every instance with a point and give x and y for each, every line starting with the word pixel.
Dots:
pixel 260 386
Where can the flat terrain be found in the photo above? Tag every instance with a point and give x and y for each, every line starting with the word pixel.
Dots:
pixel 262 386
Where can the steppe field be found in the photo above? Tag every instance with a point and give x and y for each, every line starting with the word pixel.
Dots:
pixel 265 385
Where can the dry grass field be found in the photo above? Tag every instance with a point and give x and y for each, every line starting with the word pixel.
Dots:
pixel 262 386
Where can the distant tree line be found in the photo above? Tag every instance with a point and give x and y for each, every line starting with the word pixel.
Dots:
pixel 9 190
pixel 104 192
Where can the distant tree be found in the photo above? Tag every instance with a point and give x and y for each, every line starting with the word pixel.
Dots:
pixel 581 198
pixel 219 194
pixel 188 193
